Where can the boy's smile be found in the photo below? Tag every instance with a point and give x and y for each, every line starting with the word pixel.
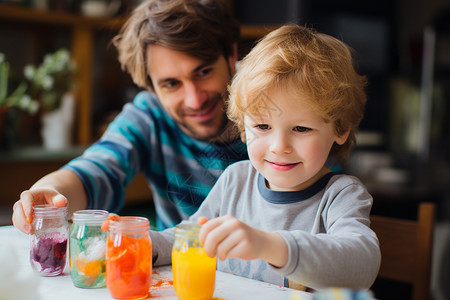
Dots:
pixel 289 149
pixel 280 166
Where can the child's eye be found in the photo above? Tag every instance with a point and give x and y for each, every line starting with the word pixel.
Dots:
pixel 262 126
pixel 301 129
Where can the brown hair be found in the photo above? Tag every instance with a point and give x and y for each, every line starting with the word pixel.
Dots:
pixel 203 29
pixel 311 64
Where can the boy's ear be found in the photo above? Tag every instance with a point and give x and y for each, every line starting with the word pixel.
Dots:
pixel 340 140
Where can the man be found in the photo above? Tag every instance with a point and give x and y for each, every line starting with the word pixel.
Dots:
pixel 177 133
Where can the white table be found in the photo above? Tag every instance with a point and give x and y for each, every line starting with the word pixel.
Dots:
pixel 18 281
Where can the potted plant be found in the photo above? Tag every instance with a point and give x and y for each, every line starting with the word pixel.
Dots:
pixel 48 82
pixel 51 84
pixel 17 100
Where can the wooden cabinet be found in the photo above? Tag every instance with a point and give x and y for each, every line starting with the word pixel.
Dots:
pixel 82 31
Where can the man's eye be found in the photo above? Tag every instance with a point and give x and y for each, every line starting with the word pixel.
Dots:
pixel 204 72
pixel 170 84
pixel 301 129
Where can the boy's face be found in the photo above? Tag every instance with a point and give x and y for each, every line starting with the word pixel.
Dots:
pixel 287 142
pixel 191 91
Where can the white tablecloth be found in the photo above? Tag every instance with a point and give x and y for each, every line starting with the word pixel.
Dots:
pixel 18 281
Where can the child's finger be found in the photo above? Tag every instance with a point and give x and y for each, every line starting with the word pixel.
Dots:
pixel 211 235
pixel 202 220
pixel 105 225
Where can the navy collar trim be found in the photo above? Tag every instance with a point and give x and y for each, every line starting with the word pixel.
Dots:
pixel 286 197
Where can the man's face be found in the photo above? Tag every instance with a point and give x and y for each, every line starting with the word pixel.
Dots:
pixel 191 91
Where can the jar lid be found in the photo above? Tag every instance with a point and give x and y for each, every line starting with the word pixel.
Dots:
pixel 90 216
pixel 49 210
pixel 129 224
pixel 187 230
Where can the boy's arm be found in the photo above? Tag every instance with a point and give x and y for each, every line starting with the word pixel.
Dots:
pixel 347 254
pixel 276 250
pixel 162 242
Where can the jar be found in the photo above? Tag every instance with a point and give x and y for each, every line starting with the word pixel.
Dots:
pixel 194 272
pixel 87 249
pixel 48 243
pixel 129 258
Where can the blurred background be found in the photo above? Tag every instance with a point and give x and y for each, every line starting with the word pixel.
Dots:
pixel 403 46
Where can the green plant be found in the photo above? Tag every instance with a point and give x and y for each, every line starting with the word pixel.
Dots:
pixel 18 98
pixel 49 81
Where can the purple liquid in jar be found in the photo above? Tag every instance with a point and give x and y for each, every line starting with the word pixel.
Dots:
pixel 48 253
pixel 48 243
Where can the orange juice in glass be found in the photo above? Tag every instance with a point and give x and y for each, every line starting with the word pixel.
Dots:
pixel 194 272
pixel 129 258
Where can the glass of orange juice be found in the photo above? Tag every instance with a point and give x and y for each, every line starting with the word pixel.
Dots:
pixel 194 272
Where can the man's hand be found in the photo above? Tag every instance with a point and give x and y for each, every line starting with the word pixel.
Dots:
pixel 23 208
pixel 55 188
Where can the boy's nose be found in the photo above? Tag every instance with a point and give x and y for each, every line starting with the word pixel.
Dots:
pixel 280 144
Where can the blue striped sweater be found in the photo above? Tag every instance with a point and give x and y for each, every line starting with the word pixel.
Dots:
pixel 180 170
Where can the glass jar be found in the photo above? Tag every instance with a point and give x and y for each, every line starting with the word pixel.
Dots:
pixel 129 258
pixel 194 272
pixel 87 249
pixel 48 243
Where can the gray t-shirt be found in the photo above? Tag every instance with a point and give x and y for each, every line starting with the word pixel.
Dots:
pixel 326 228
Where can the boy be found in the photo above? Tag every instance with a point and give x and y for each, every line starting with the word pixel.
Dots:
pixel 283 216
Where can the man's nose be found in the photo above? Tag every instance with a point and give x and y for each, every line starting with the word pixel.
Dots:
pixel 195 97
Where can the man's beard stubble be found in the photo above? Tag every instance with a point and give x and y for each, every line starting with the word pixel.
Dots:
pixel 222 128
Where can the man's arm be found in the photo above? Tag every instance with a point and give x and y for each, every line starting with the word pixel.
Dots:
pixel 56 188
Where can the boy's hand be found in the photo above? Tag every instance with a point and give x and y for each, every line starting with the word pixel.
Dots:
pixel 23 209
pixel 228 237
